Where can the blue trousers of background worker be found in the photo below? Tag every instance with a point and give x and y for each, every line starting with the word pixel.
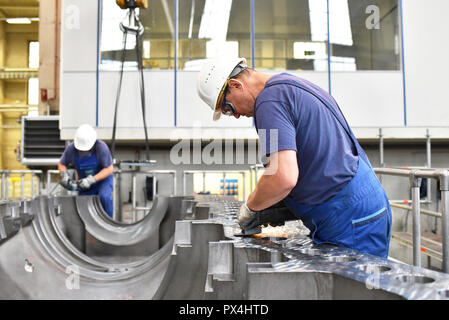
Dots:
pixel 90 166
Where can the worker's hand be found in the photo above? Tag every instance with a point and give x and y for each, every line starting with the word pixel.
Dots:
pixel 65 180
pixel 73 186
pixel 68 183
pixel 87 182
pixel 65 177
pixel 245 215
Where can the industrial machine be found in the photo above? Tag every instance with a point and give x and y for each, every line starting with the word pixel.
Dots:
pixel 185 248
pixel 41 145
pixel 132 4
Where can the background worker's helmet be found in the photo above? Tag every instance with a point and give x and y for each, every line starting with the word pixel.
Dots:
pixel 85 137
pixel 212 79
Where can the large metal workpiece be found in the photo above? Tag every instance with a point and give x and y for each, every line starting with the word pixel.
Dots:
pixel 185 248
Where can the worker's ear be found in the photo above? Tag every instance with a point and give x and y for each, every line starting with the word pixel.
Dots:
pixel 234 83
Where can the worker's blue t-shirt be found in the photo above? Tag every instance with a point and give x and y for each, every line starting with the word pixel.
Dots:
pixel 100 148
pixel 327 157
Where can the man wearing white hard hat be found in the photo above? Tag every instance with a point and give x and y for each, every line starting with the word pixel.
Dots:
pixel 322 174
pixel 93 163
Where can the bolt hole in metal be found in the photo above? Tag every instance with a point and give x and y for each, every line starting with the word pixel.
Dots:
pixel 444 293
pixel 412 279
pixel 373 268
pixel 28 266
pixel 341 259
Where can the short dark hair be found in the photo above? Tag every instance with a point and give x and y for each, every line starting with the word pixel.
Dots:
pixel 246 72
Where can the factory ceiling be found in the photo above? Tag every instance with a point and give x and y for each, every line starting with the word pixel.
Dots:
pixel 19 8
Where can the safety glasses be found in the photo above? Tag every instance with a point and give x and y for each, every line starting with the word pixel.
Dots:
pixel 227 108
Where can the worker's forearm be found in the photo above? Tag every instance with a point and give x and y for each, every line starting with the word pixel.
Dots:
pixel 103 174
pixel 61 167
pixel 269 191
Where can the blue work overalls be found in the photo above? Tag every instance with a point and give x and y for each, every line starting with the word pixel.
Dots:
pixel 90 166
pixel 357 217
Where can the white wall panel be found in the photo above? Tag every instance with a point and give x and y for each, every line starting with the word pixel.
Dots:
pixel 367 98
pixel 78 62
pixel 159 99
pixel 370 98
pixel 78 102
pixel 192 111
pixel 319 78
pixel 426 28
pixel 79 35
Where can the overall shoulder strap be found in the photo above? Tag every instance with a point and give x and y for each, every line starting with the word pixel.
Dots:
pixel 344 125
pixel 326 103
pixel 92 151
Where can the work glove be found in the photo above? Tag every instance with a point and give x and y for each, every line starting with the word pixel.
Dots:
pixel 274 216
pixel 245 215
pixel 87 182
pixel 68 183
pixel 65 179
pixel 73 185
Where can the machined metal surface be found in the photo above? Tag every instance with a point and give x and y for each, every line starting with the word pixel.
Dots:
pixel 194 255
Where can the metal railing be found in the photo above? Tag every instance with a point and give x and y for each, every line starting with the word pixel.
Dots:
pixel 49 191
pixel 428 164
pixel 117 178
pixel 254 173
pixel 423 211
pixel 415 176
pixel 6 175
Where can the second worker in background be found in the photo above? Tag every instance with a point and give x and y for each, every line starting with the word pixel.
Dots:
pixel 93 164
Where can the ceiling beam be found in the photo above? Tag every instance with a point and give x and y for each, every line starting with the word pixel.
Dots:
pixel 18 3
pixel 9 7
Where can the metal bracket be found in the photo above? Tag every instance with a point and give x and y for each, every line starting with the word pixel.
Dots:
pixel 57 207
pixel 414 181
pixel 444 180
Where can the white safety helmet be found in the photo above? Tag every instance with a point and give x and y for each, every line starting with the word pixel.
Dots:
pixel 213 79
pixel 85 137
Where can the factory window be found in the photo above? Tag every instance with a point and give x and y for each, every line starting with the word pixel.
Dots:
pixel 210 28
pixel 33 54
pixel 283 35
pixel 293 34
pixel 33 63
pixel 288 35
pixel 157 40
pixel 33 91
pixel 373 30
pixel 339 21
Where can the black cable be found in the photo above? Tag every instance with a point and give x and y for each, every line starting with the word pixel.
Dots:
pixel 117 99
pixel 142 95
pixel 141 81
